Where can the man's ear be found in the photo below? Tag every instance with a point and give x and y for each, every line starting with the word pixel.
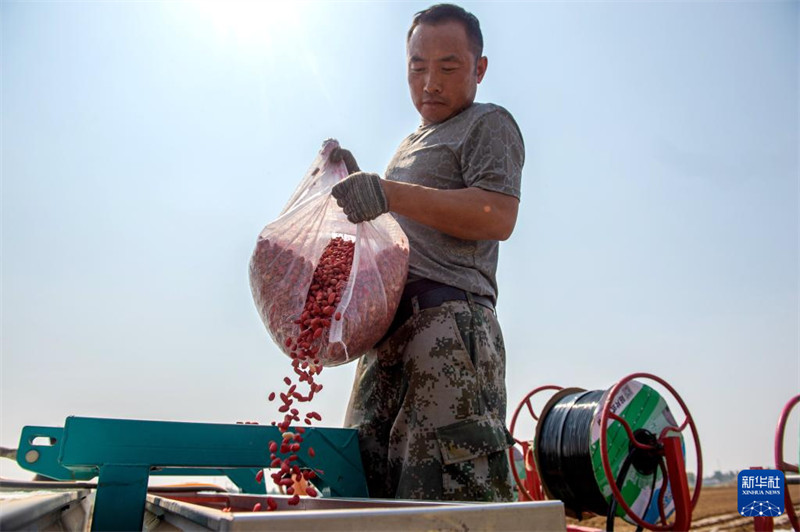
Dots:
pixel 480 68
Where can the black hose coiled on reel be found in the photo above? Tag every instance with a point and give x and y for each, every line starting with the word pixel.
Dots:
pixel 564 455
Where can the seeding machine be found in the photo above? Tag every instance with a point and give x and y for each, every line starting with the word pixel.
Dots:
pixel 618 453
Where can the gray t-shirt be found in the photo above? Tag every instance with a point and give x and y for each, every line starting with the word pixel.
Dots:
pixel 479 147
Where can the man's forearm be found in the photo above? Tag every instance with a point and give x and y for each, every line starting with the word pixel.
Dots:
pixel 467 213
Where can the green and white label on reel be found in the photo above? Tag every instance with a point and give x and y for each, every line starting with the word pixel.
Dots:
pixel 642 408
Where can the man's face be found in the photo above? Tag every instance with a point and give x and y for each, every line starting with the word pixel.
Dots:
pixel 443 74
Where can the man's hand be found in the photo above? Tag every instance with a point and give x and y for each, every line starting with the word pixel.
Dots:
pixel 341 154
pixel 361 196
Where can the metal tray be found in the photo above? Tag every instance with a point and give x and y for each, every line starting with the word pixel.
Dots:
pixel 204 512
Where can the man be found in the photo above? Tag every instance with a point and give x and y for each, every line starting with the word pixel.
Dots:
pixel 429 400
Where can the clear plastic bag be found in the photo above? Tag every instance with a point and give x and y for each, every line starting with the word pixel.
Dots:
pixel 301 248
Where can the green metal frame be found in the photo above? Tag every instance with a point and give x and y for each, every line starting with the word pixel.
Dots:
pixel 46 463
pixel 124 453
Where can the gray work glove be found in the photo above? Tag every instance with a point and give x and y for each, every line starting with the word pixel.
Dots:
pixel 361 197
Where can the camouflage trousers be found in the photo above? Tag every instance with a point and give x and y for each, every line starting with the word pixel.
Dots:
pixel 429 403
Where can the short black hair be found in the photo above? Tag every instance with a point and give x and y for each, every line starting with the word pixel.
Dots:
pixel 440 13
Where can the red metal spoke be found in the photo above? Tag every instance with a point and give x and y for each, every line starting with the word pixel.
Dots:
pixel 631 437
pixel 530 409
pixel 672 428
pixel 787 467
pixel 526 401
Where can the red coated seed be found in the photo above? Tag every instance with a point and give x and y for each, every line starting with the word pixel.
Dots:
pixel 295 500
pixel 271 504
pixel 272 396
pixel 329 278
pixel 309 343
pixel 273 447
pixel 257 507
pixel 260 476
pixel 275 463
pixel 311 452
pixel 311 491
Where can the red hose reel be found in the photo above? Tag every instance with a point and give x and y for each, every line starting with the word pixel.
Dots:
pixel 529 488
pixel 782 465
pixel 666 447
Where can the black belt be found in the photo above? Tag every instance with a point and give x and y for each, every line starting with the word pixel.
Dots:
pixel 429 294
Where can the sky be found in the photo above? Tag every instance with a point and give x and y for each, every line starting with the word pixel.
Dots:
pixel 144 145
